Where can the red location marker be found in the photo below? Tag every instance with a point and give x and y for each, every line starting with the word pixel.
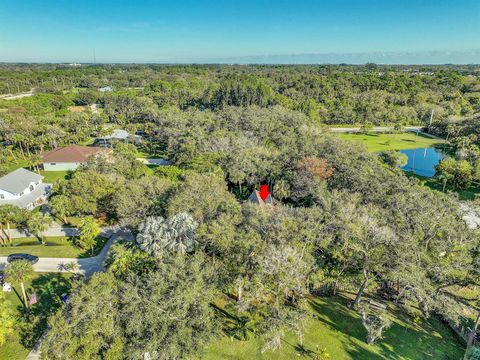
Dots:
pixel 264 192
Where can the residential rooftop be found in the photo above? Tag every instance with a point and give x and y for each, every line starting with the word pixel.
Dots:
pixel 18 180
pixel 73 154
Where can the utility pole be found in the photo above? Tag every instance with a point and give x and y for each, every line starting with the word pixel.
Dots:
pixel 94 57
pixel 430 123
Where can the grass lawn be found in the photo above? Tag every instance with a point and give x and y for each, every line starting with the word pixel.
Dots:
pixel 339 331
pixel 377 142
pixel 51 176
pixel 48 288
pixel 470 193
pixel 55 247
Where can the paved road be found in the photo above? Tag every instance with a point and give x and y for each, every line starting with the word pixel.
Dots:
pixel 87 266
pixel 386 128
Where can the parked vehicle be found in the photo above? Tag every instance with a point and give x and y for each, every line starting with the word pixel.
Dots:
pixel 15 257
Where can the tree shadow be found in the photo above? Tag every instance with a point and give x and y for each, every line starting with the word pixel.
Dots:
pixel 227 320
pixel 433 338
pixel 33 321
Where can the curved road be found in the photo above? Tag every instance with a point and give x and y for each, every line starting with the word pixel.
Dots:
pixel 87 266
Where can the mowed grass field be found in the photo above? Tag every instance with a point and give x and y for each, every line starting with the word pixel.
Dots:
pixel 55 247
pixel 377 142
pixel 338 330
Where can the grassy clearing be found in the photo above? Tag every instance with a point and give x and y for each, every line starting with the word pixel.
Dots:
pixel 377 142
pixel 470 193
pixel 51 176
pixel 339 330
pixel 48 288
pixel 55 247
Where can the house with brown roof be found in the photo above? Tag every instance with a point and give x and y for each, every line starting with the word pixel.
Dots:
pixel 71 157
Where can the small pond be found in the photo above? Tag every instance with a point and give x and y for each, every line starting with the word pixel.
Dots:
pixel 422 161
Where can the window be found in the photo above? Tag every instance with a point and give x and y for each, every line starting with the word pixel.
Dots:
pixel 21 194
pixel 31 188
pixel 53 163
pixel 2 196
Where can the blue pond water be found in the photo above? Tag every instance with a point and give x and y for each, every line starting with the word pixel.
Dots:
pixel 422 161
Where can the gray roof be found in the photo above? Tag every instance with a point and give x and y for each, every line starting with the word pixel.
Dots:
pixel 119 134
pixel 18 180
pixel 256 199
pixel 105 88
pixel 32 199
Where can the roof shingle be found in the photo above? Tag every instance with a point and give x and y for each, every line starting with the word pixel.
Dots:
pixel 18 180
pixel 73 154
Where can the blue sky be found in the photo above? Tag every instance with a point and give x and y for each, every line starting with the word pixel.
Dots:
pixel 239 30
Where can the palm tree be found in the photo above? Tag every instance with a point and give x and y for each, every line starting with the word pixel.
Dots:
pixel 176 234
pixel 89 230
pixel 38 223
pixel 34 161
pixel 18 272
pixel 10 214
pixel 60 205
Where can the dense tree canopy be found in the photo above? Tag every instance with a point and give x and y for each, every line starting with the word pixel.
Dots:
pixel 341 217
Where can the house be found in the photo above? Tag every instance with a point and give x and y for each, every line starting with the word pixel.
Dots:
pixel 71 157
pixel 117 135
pixel 256 198
pixel 105 89
pixel 155 161
pixel 24 189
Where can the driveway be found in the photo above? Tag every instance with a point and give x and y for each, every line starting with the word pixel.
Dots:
pixel 52 231
pixel 87 266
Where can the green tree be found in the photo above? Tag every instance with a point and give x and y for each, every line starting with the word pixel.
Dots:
pixel 167 313
pixel 88 233
pixel 395 159
pixel 125 260
pixel 10 214
pixel 138 198
pixel 20 271
pixel 366 127
pixel 38 223
pixel 374 322
pixel 60 205
pixel 456 172
pixel 88 326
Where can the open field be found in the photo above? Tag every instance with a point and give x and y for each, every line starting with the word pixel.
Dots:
pixel 377 142
pixel 470 193
pixel 48 288
pixel 55 247
pixel 339 331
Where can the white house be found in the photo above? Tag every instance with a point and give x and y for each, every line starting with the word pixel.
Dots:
pixel 24 189
pixel 117 135
pixel 105 89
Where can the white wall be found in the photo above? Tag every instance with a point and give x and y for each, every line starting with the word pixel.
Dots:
pixel 60 166
pixel 9 196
